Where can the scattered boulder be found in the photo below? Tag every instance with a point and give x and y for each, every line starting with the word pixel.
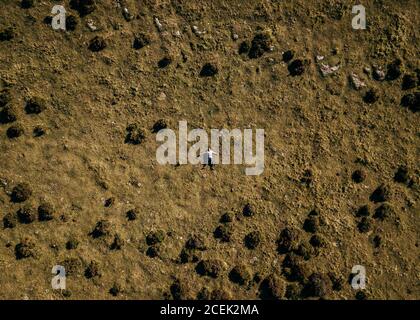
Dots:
pixel 5 98
pixel 71 23
pixel 240 275
pixel 132 214
pixel 102 228
pixel 223 232
pixel 211 268
pixel 358 176
pixel 135 134
pixel 248 210
pixel 9 221
pixel 72 244
pixel 363 211
pixel 244 47
pixel 159 125
pixel 226 217
pixel 272 288
pixel 164 62
pixel 92 270
pixel 208 70
pixel 411 101
pixel 21 192
pixel 45 212
pixel 15 131
pixel 393 70
pixel 384 211
pixel 252 240
pixel 286 241
pixel 97 44
pixel 371 96
pixel 140 41
pixel 260 44
pixel 26 4
pixel 7 115
pixel 7 34
pixel 288 55
pixel 196 242
pixel 35 106
pixel 317 286
pixel 402 175
pixel 381 194
pixel 408 82
pixel 26 215
pixel 155 237
pixel 25 249
pixel 83 7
